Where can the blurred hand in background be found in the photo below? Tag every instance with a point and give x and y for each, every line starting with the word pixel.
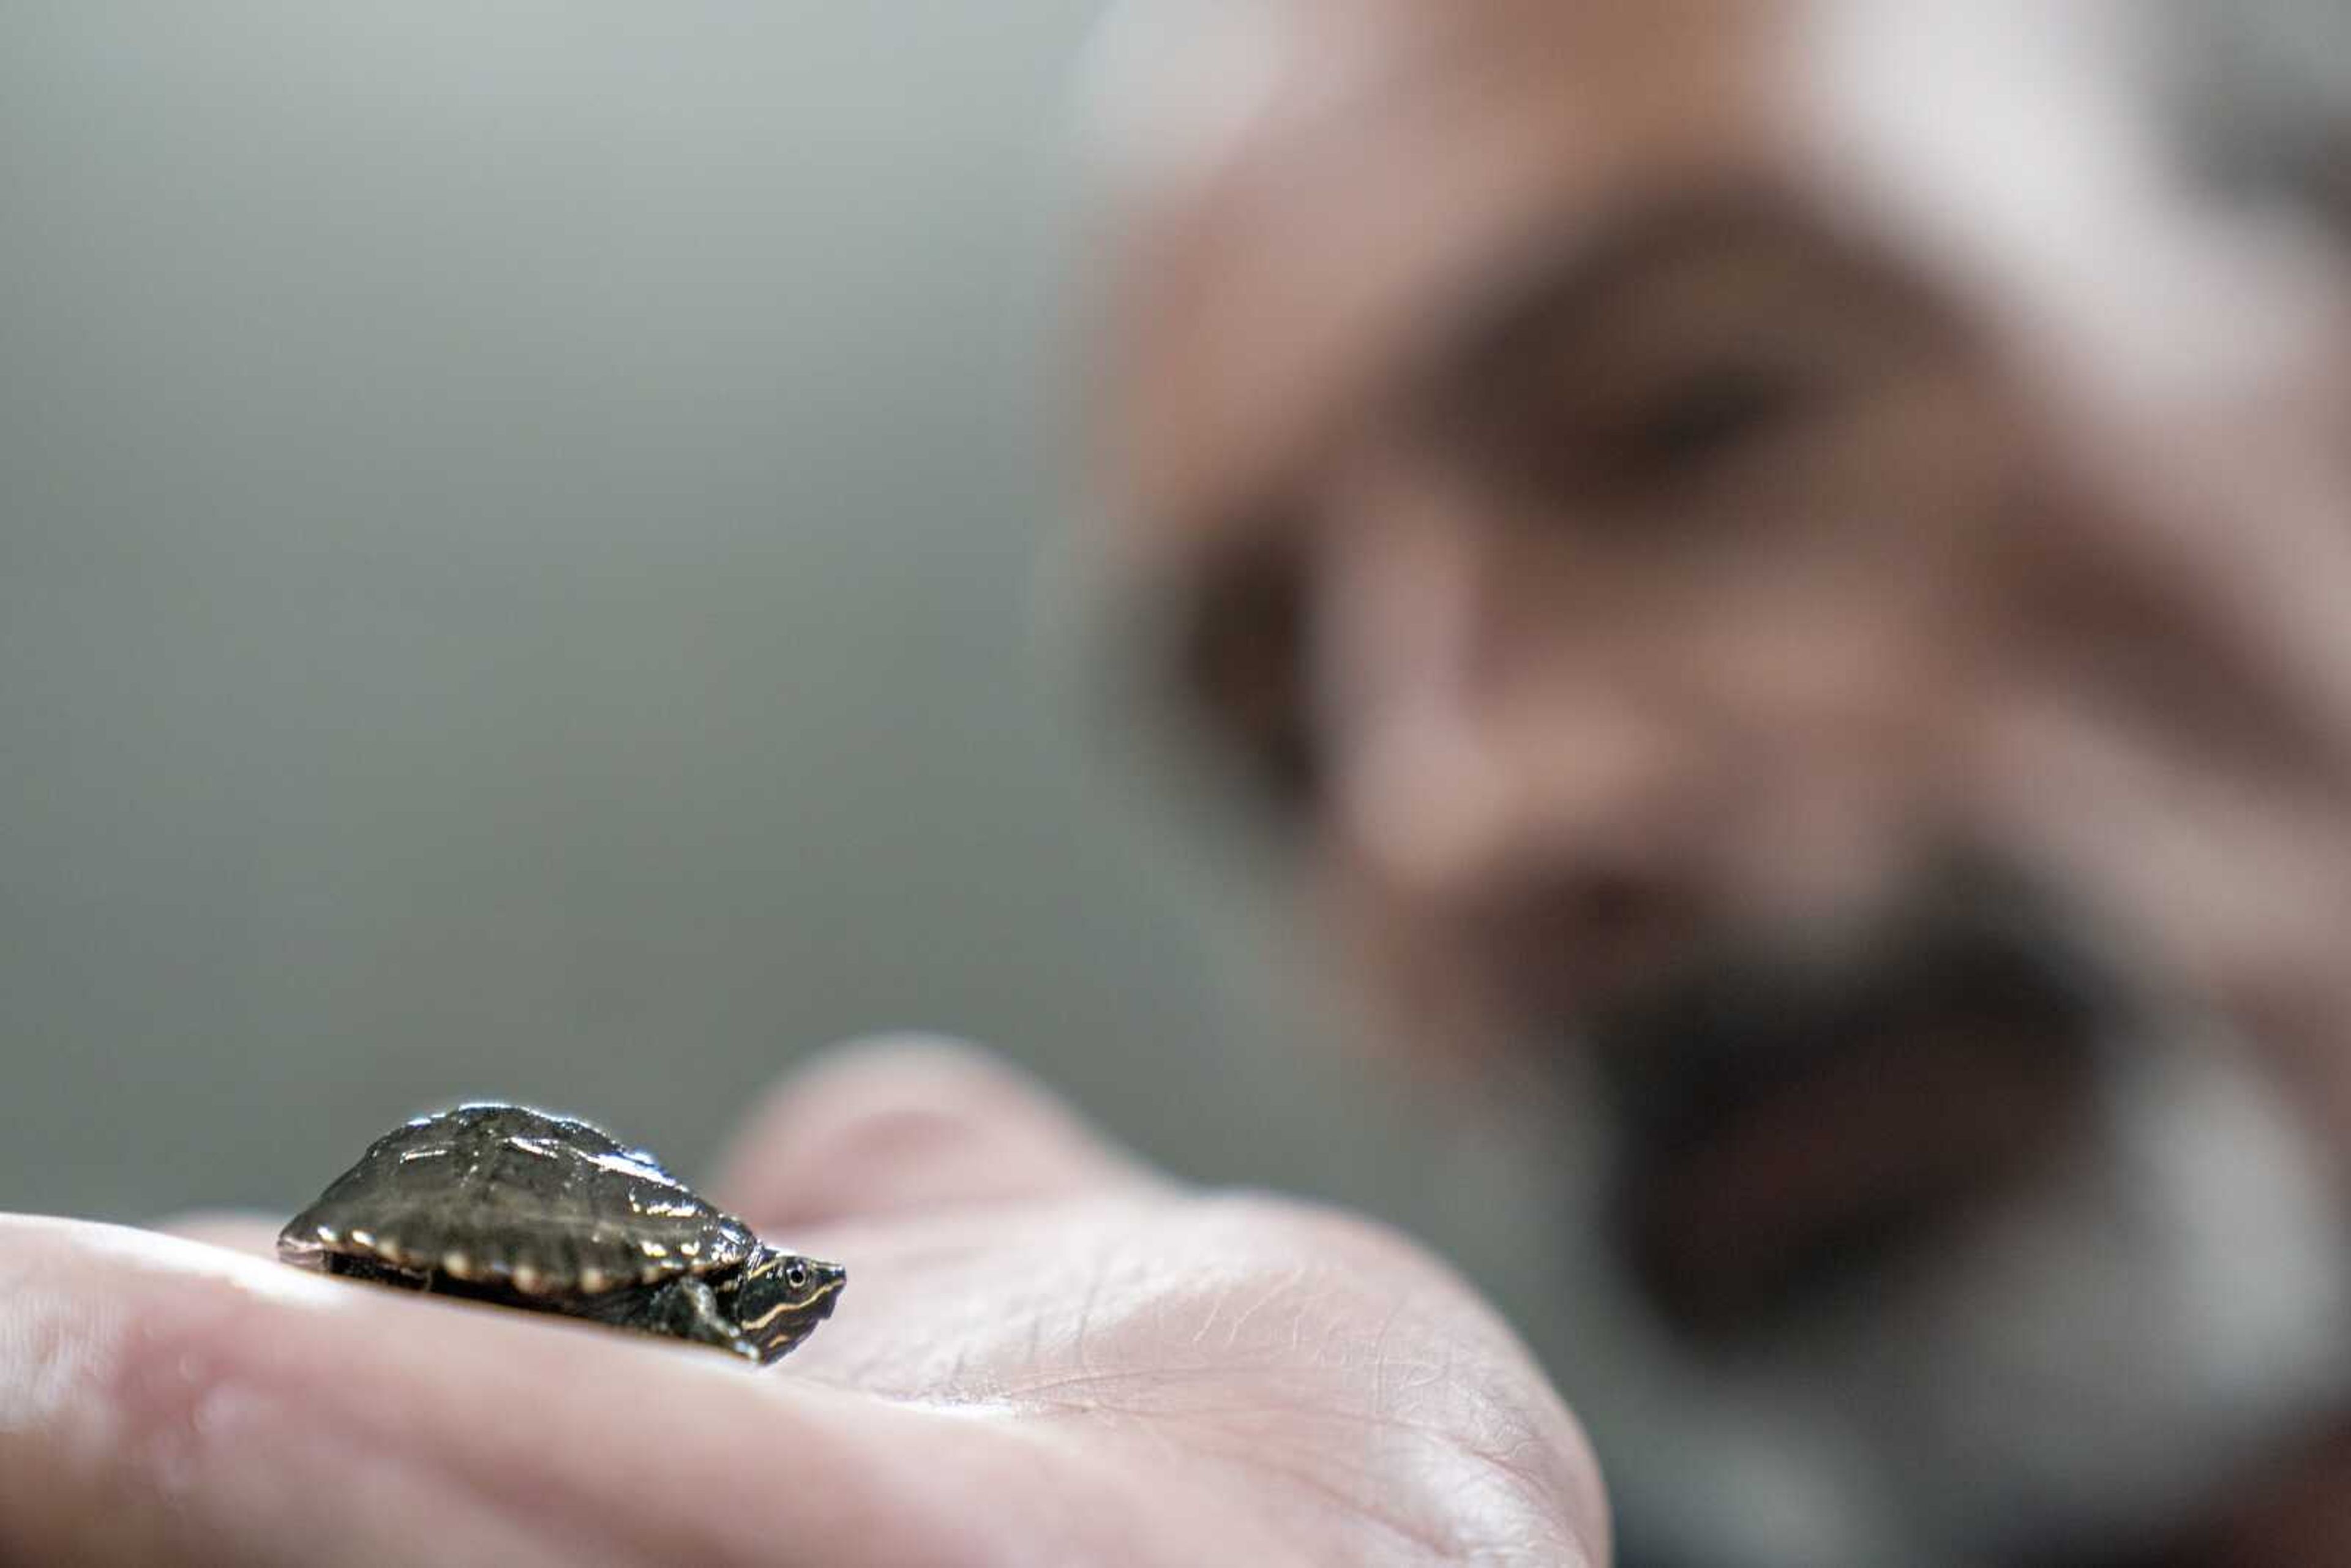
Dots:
pixel 1782 570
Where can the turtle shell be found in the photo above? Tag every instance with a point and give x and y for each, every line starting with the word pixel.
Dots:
pixel 512 1197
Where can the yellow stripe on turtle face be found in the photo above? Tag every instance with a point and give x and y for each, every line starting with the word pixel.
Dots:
pixel 772 1314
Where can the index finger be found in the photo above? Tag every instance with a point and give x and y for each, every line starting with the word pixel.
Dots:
pixel 890 1125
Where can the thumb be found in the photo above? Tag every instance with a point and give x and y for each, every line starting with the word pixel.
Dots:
pixel 885 1125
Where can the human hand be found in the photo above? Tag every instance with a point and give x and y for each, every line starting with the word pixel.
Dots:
pixel 1045 1354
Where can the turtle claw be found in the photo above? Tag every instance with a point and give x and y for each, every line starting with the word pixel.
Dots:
pixel 686 1308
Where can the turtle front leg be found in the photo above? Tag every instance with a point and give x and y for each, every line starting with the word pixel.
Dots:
pixel 686 1308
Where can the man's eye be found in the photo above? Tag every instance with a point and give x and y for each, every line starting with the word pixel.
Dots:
pixel 1697 422
pixel 1243 670
pixel 1579 434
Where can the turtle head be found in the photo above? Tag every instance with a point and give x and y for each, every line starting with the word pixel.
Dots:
pixel 781 1297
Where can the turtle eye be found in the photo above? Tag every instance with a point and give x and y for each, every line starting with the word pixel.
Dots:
pixel 796 1276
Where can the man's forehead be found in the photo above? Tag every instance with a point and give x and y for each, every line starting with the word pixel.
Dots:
pixel 1299 188
pixel 1182 87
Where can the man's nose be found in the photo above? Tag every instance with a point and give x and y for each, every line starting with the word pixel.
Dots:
pixel 1554 822
pixel 1563 843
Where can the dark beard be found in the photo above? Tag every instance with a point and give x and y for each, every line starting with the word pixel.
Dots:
pixel 1793 1121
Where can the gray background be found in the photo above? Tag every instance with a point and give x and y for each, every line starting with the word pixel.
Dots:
pixel 519 527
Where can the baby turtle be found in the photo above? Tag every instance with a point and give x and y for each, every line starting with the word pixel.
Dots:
pixel 498 1202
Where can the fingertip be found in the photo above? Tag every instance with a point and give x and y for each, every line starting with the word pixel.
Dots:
pixel 900 1121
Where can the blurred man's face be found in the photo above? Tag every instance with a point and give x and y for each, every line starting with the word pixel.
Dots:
pixel 1785 562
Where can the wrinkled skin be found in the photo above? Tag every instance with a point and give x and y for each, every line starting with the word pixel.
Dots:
pixel 1053 1355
